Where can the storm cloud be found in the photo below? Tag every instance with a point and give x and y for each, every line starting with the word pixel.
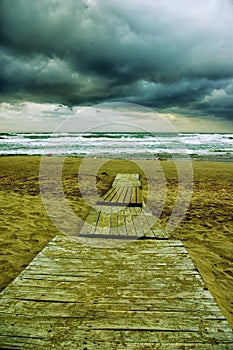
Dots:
pixel 166 54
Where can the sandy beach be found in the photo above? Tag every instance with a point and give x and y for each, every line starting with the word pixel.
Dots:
pixel 206 229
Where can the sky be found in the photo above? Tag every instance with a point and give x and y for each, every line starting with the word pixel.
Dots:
pixel 174 57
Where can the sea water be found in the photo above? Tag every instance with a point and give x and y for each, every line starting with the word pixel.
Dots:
pixel 120 145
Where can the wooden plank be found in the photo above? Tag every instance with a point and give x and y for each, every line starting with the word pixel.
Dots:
pixel 37 286
pixel 122 195
pixel 115 321
pixel 67 310
pixel 87 274
pixel 107 198
pixel 108 194
pixel 46 296
pixel 114 222
pixel 83 275
pixel 139 196
pixel 117 341
pixel 157 261
pixel 143 228
pixel 146 247
pixel 134 195
pixel 156 304
pixel 74 243
pixel 121 224
pixel 105 340
pixel 130 228
pixel 84 268
pixel 128 195
pixel 116 195
pixel 103 224
pixel 166 256
pixel 136 222
pixel 114 290
pixel 207 315
pixel 173 263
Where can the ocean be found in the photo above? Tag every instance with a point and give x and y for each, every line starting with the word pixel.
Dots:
pixel 120 145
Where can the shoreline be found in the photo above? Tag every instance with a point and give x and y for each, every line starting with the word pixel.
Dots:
pixel 157 157
pixel 206 229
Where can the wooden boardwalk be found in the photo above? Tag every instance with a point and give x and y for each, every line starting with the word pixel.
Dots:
pixel 125 191
pixel 146 294
pixel 121 213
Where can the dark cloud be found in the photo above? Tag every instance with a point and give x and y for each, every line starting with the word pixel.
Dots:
pixel 158 53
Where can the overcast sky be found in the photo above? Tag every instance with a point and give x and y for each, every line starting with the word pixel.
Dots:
pixel 175 56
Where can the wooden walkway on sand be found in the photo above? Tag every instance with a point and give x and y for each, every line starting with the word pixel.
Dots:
pixel 146 294
pixel 121 213
pixel 125 191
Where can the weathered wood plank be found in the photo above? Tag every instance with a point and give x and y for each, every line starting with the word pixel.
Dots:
pixel 68 310
pixel 134 195
pixel 130 227
pixel 109 194
pixel 118 342
pixel 74 243
pixel 146 260
pixel 114 221
pixel 56 308
pixel 139 338
pixel 102 344
pixel 82 298
pixel 148 276
pixel 162 261
pixel 103 224
pixel 112 291
pixel 114 321
pixel 121 224
pixel 153 250
pixel 118 191
pixel 117 198
pixel 117 283
pixel 121 192
pixel 128 196
pixel 139 196
pixel 122 195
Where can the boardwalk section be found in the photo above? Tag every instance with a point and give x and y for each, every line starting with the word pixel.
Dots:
pixel 143 295
pixel 122 214
pixel 112 222
pixel 125 191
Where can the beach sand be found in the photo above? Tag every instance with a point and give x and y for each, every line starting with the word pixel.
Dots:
pixel 206 229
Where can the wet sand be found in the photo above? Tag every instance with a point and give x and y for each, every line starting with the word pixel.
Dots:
pixel 206 229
